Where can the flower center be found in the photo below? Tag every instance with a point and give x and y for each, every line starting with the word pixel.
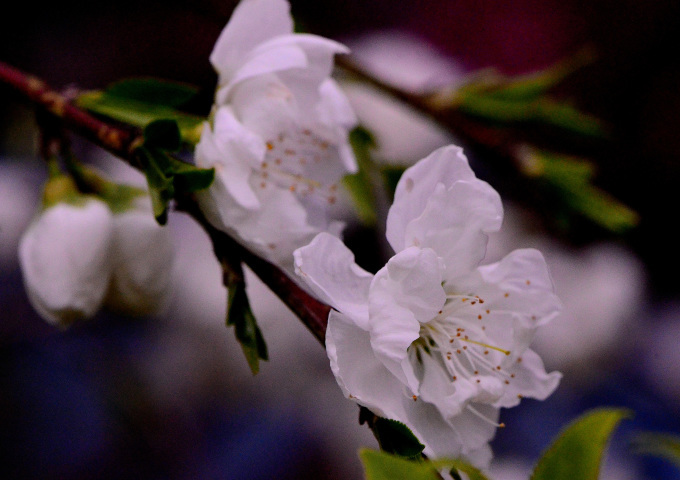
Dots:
pixel 459 335
pixel 304 163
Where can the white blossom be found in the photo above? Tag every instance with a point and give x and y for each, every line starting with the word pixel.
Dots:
pixel 433 339
pixel 141 262
pixel 278 134
pixel 64 257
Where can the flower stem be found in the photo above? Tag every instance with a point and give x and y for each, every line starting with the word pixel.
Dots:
pixel 121 142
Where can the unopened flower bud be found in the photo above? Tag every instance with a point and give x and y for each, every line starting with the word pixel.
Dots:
pixel 64 259
pixel 141 256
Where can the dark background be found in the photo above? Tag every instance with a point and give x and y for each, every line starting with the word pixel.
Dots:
pixel 52 384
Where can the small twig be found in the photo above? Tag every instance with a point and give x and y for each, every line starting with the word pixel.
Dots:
pixel 121 142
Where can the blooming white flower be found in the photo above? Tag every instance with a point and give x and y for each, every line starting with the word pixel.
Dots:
pixel 434 339
pixel 64 257
pixel 278 135
pixel 141 261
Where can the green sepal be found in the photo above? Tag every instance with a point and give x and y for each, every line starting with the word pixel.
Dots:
pixel 661 445
pixel 163 134
pixel 392 436
pixel 248 334
pixel 166 175
pixel 360 185
pixel 139 102
pixel 161 189
pixel 385 466
pixel 61 188
pixel 188 178
pixel 578 451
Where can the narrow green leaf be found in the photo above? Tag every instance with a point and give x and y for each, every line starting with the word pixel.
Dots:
pixel 248 334
pixel 161 187
pixel 567 116
pixel 577 453
pixel 662 445
pixel 495 109
pixel 571 179
pixel 531 86
pixel 140 112
pixel 385 466
pixel 360 185
pixel 153 90
pixel 163 134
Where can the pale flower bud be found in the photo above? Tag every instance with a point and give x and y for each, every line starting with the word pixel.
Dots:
pixel 64 260
pixel 141 257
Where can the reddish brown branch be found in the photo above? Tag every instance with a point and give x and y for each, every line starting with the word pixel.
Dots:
pixel 121 143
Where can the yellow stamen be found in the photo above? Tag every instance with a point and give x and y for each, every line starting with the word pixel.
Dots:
pixel 498 349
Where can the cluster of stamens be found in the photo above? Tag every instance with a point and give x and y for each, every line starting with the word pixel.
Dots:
pixel 457 334
pixel 297 161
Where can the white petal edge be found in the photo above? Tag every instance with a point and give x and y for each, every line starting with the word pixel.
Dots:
pixel 327 267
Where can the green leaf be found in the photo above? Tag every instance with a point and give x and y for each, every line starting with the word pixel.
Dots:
pixel 577 453
pixel 139 102
pixel 570 178
pixel 360 185
pixel 163 134
pixel 531 86
pixel 662 445
pixel 391 175
pixel 541 110
pixel 153 90
pixel 161 187
pixel 248 334
pixel 392 436
pixel 472 472
pixel 166 175
pixel 189 178
pixel 385 466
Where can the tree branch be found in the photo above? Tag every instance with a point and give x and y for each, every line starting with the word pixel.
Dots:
pixel 121 142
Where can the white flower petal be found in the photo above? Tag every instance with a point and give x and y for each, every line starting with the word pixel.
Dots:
pixel 521 283
pixel 252 23
pixel 262 61
pixel 445 166
pixel 64 260
pixel 437 387
pixel 361 376
pixel 232 150
pixel 327 266
pixel 404 293
pixel 530 380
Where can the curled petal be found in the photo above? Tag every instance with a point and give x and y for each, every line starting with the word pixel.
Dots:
pixel 252 23
pixel 404 293
pixel 361 376
pixel 327 266
pixel 530 380
pixel 232 150
pixel 445 166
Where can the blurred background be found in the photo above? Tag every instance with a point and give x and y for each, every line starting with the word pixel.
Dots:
pixel 171 396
